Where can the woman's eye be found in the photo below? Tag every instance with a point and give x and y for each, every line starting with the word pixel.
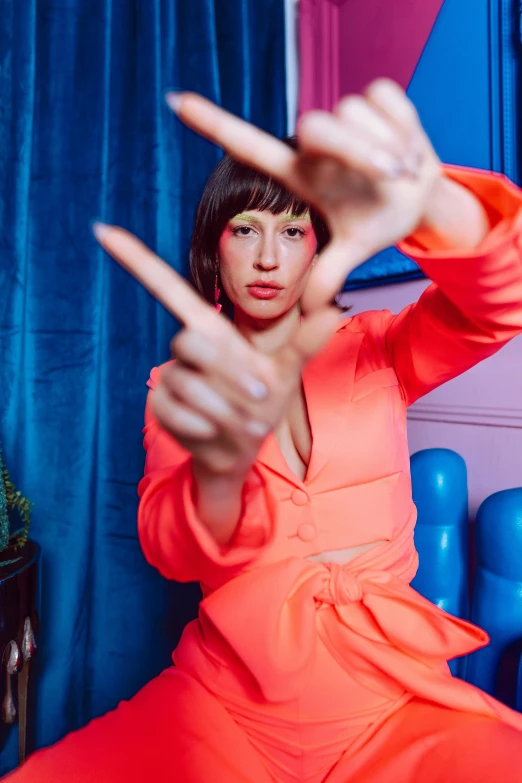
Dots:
pixel 293 232
pixel 243 231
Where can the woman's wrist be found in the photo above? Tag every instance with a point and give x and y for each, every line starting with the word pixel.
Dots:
pixel 454 217
pixel 219 482
pixel 218 501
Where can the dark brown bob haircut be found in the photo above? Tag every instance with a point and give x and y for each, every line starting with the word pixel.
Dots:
pixel 231 189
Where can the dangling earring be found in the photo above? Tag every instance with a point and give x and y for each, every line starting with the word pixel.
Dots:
pixel 217 293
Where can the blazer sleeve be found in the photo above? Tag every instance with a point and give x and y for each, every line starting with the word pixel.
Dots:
pixel 173 538
pixel 474 305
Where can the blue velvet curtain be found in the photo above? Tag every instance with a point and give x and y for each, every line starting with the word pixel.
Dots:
pixel 84 133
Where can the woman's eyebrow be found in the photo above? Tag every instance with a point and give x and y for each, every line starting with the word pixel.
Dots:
pixel 246 216
pixel 304 216
pixel 283 219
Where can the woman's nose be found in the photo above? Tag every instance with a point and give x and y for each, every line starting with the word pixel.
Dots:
pixel 267 258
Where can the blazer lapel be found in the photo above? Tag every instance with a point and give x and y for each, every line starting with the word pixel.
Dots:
pixel 270 456
pixel 328 380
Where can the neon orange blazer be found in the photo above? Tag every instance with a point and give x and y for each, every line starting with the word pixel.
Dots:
pixel 264 603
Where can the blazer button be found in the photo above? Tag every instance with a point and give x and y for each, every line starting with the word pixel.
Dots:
pixel 299 497
pixel 306 532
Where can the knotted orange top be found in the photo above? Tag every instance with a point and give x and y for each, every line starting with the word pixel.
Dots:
pixel 386 635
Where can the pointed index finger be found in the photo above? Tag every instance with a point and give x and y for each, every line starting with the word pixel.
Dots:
pixel 239 138
pixel 166 285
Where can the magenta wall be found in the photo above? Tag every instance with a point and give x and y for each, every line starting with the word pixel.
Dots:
pixel 479 414
pixel 345 44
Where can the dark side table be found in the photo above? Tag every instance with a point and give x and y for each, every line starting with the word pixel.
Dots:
pixel 19 583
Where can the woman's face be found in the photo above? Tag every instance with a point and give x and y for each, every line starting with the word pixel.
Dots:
pixel 264 261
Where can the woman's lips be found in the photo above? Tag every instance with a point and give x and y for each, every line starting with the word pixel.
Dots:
pixel 263 292
pixel 264 289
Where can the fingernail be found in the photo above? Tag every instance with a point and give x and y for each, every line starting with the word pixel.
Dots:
pixel 255 388
pixel 174 100
pixel 257 428
pixel 99 229
pixel 387 164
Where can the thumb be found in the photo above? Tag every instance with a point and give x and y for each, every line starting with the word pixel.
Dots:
pixel 314 332
pixel 335 263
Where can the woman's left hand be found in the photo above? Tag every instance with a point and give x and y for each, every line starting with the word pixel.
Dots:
pixel 368 167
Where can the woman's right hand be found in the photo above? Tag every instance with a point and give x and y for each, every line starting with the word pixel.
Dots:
pixel 222 396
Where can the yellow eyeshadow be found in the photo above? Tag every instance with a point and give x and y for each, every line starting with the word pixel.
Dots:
pixel 249 218
pixel 284 219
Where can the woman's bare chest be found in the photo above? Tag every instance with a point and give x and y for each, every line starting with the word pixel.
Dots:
pixel 294 436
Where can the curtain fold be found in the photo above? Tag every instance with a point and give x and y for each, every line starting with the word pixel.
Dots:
pixel 84 133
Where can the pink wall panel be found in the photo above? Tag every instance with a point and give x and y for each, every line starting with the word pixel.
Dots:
pixel 344 44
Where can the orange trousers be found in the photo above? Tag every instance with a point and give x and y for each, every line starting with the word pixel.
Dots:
pixel 175 730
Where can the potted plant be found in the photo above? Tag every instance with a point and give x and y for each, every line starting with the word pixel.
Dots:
pixel 11 500
pixel 19 559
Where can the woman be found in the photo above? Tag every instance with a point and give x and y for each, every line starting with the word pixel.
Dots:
pixel 277 469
